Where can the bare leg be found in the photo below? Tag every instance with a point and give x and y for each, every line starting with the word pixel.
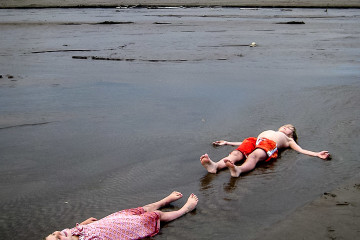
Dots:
pixel 163 202
pixel 213 167
pixel 188 207
pixel 256 156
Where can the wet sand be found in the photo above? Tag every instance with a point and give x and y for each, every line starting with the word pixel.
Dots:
pixel 187 3
pixel 334 215
pixel 106 109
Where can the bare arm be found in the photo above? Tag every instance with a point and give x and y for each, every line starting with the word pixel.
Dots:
pixel 296 147
pixel 223 142
pixel 89 220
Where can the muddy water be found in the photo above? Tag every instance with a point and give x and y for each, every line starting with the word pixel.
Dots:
pixel 98 117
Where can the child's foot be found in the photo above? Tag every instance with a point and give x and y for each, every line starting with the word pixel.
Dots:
pixel 173 197
pixel 163 202
pixel 191 203
pixel 234 170
pixel 209 165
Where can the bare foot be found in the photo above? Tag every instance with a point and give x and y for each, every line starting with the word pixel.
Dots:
pixel 188 207
pixel 191 203
pixel 173 197
pixel 208 164
pixel 163 202
pixel 234 170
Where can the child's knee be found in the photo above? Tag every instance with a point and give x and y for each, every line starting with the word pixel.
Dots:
pixel 258 155
pixel 236 154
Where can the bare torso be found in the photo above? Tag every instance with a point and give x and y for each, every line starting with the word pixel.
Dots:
pixel 280 138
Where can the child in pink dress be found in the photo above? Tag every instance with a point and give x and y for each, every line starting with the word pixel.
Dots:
pixel 136 223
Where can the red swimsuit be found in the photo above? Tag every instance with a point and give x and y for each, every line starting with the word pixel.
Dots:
pixel 250 144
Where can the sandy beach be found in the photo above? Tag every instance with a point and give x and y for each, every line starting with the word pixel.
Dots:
pixel 103 109
pixel 334 215
pixel 185 3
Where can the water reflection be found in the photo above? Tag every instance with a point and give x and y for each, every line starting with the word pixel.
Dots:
pixel 231 185
pixel 205 181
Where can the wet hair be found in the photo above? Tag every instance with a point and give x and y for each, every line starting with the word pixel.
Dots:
pixel 293 129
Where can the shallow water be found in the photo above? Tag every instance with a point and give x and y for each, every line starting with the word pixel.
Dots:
pixel 81 137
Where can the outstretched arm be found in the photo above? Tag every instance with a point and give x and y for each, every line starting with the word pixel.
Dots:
pixel 223 142
pixel 296 147
pixel 89 220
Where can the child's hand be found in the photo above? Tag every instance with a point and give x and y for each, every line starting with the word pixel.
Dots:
pixel 324 155
pixel 89 220
pixel 220 143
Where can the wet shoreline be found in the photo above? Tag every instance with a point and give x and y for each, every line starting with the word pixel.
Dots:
pixel 82 137
pixel 334 215
pixel 180 3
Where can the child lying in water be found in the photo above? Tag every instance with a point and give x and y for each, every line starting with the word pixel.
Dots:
pixel 263 148
pixel 134 223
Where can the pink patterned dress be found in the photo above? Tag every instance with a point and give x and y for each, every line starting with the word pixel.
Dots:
pixel 126 224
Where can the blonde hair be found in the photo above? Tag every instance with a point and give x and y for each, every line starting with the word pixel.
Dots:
pixel 293 129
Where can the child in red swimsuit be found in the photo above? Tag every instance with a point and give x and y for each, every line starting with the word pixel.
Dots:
pixel 263 148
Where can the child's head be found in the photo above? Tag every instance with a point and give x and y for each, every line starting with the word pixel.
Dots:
pixel 63 235
pixel 289 130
